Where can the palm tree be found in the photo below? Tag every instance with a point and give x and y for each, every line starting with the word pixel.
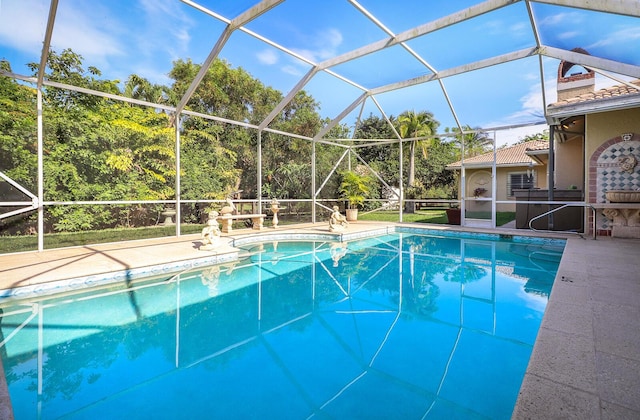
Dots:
pixel 413 124
pixel 476 141
pixel 138 87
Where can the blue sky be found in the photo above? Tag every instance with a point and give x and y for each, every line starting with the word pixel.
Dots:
pixel 121 37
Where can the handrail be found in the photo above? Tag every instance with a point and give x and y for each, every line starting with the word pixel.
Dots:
pixel 577 204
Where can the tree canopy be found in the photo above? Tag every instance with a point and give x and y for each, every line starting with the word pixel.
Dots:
pixel 101 149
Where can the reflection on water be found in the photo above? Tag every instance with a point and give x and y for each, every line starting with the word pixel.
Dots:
pixel 398 326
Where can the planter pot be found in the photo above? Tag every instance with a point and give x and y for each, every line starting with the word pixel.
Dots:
pixel 352 215
pixel 453 215
pixel 410 206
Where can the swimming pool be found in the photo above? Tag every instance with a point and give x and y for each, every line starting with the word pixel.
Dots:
pixel 403 325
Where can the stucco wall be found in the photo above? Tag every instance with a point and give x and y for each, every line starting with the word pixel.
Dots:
pixel 569 167
pixel 502 174
pixel 604 126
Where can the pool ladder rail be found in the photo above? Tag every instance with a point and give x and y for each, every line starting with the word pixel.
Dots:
pixel 550 213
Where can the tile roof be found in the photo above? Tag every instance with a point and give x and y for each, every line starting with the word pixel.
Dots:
pixel 602 94
pixel 515 155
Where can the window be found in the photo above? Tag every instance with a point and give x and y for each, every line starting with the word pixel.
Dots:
pixel 518 180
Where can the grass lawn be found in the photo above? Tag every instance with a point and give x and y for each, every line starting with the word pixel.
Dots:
pixel 10 244
pixel 60 240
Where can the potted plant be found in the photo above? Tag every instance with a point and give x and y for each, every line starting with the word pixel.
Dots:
pixel 354 187
pixel 479 192
pixel 454 214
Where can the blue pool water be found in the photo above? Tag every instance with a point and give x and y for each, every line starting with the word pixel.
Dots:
pixel 401 326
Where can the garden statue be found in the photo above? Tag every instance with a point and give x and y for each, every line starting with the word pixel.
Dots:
pixel 230 208
pixel 275 208
pixel 210 234
pixel 168 213
pixel 337 222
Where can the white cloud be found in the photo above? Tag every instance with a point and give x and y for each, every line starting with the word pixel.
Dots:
pixel 620 37
pixel 514 135
pixel 569 34
pixel 88 31
pixel 569 19
pixel 164 28
pixel 22 24
pixel 292 70
pixel 519 27
pixel 531 110
pixel 499 27
pixel 268 57
pixel 324 45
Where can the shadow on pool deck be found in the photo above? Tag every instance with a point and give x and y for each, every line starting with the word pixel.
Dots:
pixel 586 359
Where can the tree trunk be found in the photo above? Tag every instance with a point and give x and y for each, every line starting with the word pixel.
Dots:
pixel 412 164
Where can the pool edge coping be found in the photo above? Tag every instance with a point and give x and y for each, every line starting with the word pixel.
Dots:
pixel 173 268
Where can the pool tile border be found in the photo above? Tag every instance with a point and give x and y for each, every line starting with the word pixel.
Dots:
pixel 71 284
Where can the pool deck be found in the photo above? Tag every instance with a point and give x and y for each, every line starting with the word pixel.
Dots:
pixel 586 359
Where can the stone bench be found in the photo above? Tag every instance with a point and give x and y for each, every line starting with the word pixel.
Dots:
pixel 227 220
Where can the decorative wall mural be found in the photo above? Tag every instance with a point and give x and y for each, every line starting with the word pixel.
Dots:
pixel 617 167
pixel 614 166
pixel 628 163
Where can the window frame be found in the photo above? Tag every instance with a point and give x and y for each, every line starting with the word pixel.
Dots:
pixel 522 184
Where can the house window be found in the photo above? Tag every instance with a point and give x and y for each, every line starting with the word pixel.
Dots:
pixel 520 180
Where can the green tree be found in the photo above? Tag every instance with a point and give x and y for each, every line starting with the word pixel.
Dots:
pixel 138 87
pixel 543 136
pixel 413 124
pixel 66 67
pixel 476 141
pixel 234 94
pixel 18 132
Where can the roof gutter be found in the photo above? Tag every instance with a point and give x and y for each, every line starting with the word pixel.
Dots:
pixel 555 115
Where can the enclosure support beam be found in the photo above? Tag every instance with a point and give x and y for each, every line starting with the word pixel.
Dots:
pixel 240 20
pixel 335 167
pixel 494 184
pixel 400 183
pixel 591 61
pixel 43 64
pixel 40 173
pixel 620 7
pixel 178 213
pixel 552 170
pixel 44 56
pixel 259 172
pixel 313 180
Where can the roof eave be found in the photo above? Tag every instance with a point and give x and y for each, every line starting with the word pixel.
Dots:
pixel 489 166
pixel 555 114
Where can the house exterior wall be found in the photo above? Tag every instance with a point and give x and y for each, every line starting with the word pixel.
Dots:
pixel 502 176
pixel 569 165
